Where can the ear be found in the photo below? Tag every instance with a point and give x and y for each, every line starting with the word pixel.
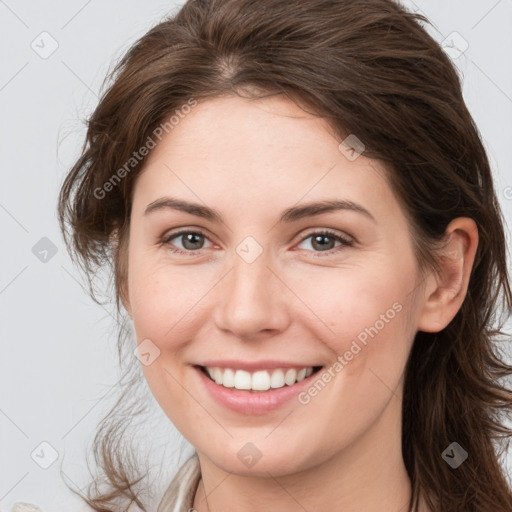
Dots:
pixel 445 291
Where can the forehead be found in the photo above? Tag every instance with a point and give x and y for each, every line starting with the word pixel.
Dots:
pixel 259 130
pixel 266 151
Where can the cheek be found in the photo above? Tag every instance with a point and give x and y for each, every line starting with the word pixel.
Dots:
pixel 351 303
pixel 366 322
pixel 166 301
pixel 164 311
pixel 370 343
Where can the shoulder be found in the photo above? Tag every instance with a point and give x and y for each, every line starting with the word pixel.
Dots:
pixel 181 491
pixel 21 506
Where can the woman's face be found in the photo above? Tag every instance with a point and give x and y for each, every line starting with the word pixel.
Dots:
pixel 257 290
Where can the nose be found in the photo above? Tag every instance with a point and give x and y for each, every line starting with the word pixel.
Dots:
pixel 251 299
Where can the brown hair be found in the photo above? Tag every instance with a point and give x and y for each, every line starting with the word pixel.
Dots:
pixel 371 69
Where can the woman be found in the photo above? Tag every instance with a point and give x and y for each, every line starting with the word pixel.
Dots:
pixel 302 226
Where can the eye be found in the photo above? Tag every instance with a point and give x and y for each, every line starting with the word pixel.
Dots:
pixel 192 241
pixel 323 241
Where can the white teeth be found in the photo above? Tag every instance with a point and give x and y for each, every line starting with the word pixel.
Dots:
pixel 290 376
pixel 228 379
pixel 242 380
pixel 277 379
pixel 301 374
pixel 261 380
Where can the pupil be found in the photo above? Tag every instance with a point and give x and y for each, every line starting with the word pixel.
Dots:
pixel 320 237
pixel 188 240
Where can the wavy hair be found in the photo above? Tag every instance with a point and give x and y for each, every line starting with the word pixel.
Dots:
pixel 369 68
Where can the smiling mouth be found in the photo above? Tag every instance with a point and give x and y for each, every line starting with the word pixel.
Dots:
pixel 258 381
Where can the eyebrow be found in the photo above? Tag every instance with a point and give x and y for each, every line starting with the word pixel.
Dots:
pixel 292 214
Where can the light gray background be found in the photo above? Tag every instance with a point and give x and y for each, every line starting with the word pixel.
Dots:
pixel 58 362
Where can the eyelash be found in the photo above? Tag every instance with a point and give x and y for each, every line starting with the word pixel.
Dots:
pixel 344 241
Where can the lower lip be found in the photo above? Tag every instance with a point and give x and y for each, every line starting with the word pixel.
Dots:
pixel 247 402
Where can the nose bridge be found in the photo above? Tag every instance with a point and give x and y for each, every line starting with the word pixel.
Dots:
pixel 250 300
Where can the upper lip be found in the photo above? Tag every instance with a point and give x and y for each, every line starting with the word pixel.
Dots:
pixel 254 365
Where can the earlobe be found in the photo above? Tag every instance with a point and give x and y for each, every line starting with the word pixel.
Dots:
pixel 445 291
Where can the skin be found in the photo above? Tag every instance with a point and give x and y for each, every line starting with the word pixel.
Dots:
pixel 250 160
